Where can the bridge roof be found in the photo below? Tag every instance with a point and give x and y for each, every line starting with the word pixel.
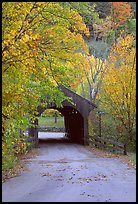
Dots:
pixel 81 104
pixel 77 98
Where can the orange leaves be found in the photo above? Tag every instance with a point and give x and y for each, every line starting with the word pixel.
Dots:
pixel 121 11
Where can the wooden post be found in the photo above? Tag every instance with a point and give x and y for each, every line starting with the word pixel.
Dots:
pixel 33 133
pixel 125 149
pixel 100 132
pixel 85 131
pixel 36 133
pixel 55 115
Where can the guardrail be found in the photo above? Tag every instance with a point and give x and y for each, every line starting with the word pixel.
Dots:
pixel 108 144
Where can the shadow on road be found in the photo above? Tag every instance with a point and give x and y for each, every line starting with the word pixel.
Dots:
pixel 55 140
pixel 56 137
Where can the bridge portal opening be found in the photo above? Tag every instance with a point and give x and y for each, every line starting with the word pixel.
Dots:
pixel 51 125
pixel 70 124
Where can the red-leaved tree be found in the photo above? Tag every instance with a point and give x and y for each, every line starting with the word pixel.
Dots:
pixel 120 12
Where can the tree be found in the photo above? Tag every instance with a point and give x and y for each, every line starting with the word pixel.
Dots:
pixel 103 9
pixel 92 80
pixel 120 12
pixel 123 20
pixel 87 11
pixel 119 89
pixel 41 45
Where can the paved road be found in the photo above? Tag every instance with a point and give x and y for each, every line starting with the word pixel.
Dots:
pixel 65 172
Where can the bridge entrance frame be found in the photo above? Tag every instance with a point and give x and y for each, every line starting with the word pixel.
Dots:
pixel 75 117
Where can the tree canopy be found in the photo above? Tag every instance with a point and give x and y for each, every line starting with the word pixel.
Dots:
pixel 42 45
pixel 87 46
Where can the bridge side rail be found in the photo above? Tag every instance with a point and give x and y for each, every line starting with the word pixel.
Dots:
pixel 108 144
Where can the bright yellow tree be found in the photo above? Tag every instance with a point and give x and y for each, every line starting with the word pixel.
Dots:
pixel 119 87
pixel 41 43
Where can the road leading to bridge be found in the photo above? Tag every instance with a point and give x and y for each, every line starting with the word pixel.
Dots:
pixel 66 172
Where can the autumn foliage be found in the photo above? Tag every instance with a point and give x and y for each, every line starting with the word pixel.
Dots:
pixel 119 88
pixel 41 48
pixel 120 12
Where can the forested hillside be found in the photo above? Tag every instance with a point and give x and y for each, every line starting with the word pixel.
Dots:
pixel 109 78
pixel 86 46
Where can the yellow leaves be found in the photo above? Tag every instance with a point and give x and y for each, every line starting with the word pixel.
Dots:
pixel 77 22
pixel 25 38
pixel 127 41
pixel 43 70
pixel 92 60
pixel 35 36
pixel 13 32
pixel 22 90
pixel 123 46
pixel 38 48
pixel 119 81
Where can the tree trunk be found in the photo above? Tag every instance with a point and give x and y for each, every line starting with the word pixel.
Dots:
pixel 82 89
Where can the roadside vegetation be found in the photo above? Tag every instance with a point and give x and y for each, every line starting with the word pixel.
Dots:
pixel 89 47
pixel 132 157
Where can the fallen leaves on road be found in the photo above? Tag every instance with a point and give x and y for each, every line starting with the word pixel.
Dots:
pixel 49 165
pixel 46 174
pixel 59 178
pixel 60 169
pixel 16 171
pixel 102 153
pixel 62 161
pixel 70 178
pixel 94 178
pixel 30 154
pixel 84 193
pixel 52 177
pixel 20 166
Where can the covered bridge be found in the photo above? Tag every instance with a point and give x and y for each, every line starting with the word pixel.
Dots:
pixel 75 117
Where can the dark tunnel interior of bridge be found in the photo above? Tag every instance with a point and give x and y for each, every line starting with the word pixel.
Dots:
pixel 74 124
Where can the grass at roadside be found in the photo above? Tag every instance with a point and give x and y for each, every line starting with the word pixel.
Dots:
pixel 18 167
pixel 50 121
pixel 132 157
pixel 9 161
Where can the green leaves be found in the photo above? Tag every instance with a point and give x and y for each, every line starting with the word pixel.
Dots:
pixel 40 46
